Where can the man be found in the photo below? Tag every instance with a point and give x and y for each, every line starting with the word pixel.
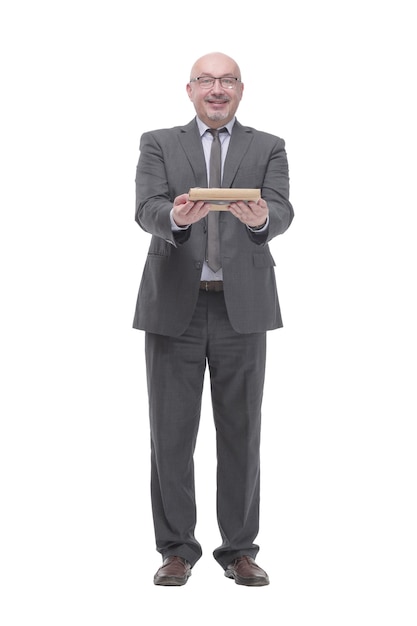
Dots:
pixel 196 313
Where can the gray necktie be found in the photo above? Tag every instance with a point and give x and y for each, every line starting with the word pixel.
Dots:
pixel 213 241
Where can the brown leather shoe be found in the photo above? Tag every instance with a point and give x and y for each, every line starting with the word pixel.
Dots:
pixel 174 572
pixel 245 572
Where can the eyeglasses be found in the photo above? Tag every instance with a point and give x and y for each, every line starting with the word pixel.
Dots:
pixel 207 82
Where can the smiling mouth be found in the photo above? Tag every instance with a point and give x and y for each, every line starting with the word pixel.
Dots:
pixel 217 100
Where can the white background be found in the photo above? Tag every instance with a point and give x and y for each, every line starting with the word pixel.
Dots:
pixel 80 83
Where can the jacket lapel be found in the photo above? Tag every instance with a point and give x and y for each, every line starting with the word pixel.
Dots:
pixel 191 142
pixel 239 143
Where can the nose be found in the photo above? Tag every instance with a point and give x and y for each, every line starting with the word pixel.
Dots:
pixel 217 82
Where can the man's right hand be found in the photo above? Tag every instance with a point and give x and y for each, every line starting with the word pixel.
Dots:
pixel 186 212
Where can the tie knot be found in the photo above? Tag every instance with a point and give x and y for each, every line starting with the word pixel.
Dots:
pixel 215 131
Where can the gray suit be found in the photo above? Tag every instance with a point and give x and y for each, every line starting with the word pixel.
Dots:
pixel 171 162
pixel 187 328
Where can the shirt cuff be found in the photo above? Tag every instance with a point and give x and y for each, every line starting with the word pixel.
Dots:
pixel 174 227
pixel 260 230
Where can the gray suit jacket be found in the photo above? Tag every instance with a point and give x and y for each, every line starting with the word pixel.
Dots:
pixel 171 162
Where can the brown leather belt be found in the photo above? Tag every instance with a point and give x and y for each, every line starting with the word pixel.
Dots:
pixel 211 285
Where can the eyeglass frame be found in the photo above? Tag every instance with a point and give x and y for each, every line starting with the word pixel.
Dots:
pixel 214 78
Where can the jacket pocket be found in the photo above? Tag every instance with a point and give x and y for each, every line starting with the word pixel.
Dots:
pixel 263 259
pixel 159 248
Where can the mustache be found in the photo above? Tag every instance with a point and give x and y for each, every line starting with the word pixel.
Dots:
pixel 216 99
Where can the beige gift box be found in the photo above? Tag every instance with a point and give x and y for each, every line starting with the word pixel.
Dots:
pixel 219 197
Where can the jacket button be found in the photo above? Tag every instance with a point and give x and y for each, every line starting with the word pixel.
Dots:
pixel 198 265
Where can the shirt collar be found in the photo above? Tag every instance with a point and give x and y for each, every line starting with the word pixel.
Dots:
pixel 202 127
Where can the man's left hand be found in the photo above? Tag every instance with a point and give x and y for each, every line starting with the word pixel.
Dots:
pixel 252 214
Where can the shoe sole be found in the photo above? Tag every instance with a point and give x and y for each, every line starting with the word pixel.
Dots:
pixel 247 582
pixel 171 581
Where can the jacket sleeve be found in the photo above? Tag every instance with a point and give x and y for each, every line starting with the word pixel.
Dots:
pixel 153 201
pixel 276 189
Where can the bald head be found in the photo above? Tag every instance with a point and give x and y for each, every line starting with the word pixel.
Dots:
pixel 210 64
